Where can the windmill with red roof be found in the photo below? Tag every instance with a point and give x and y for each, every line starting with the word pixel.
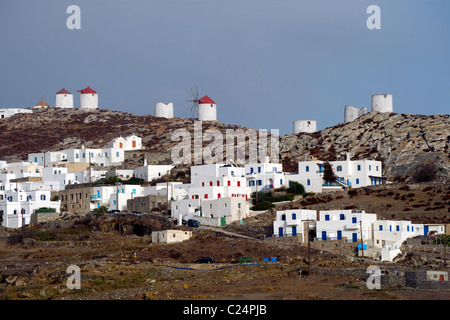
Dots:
pixel 88 98
pixel 205 108
pixel 63 99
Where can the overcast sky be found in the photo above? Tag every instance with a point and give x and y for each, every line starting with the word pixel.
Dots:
pixel 265 63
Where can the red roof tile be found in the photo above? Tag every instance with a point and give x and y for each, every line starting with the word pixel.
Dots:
pixel 206 99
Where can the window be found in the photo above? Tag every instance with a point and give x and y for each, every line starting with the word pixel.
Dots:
pixel 412 228
pixel 238 183
pixel 308 182
pixel 283 217
pixel 407 228
pixel 134 191
pixel 359 167
pixel 239 205
pixel 281 181
pixel 77 155
pixel 206 196
pixel 390 228
pixel 327 217
pixel 229 183
pixel 210 205
pixel 210 183
pixel 106 154
pixel 117 154
pixel 203 184
pixel 307 168
pixel 397 228
pixel 380 227
pixel 114 202
pixel 339 168
pixel 342 216
pixel 357 180
pixel 42 196
pixel 294 216
pixel 251 170
pixel 377 168
pixel 259 169
pixel 354 220
pixel 218 183
pixel 84 155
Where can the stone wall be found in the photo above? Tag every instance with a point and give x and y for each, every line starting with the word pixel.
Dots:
pixel 146 204
pixel 37 218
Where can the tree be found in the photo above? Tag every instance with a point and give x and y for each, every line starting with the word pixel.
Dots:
pixel 328 174
pixel 296 187
pixel 100 211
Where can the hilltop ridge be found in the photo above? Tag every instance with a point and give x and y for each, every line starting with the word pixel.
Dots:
pixel 411 147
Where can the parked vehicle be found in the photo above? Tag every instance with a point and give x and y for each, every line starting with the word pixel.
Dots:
pixel 113 211
pixel 193 223
pixel 136 212
pixel 205 260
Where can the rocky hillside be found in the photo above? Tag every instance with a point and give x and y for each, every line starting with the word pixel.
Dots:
pixel 412 147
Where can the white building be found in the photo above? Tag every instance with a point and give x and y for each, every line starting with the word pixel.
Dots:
pixel 382 103
pixel 207 109
pixel 308 126
pixel 16 207
pixel 163 110
pixel 8 112
pixel 264 175
pixel 352 113
pixel 115 197
pixel 217 195
pixel 294 222
pixel 170 236
pixel 102 157
pixel 88 98
pixel 130 142
pixel 348 173
pixel 63 99
pixel 340 224
pixel 382 238
pixel 150 172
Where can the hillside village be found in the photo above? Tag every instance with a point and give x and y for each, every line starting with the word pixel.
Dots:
pixel 85 180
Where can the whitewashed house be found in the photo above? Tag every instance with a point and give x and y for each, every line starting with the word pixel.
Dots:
pixel 217 195
pixel 345 224
pixel 102 157
pixel 294 222
pixel 265 175
pixel 8 112
pixel 16 207
pixel 170 236
pixel 115 197
pixel 130 142
pixel 348 173
pixel 150 172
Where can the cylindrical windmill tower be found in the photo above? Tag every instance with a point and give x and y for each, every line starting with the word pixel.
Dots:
pixel 63 99
pixel 304 126
pixel 382 103
pixel 163 110
pixel 88 99
pixel 207 110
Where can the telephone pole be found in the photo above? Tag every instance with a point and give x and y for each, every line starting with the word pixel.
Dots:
pixel 362 243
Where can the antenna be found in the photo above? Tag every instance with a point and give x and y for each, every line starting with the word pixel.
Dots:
pixel 194 107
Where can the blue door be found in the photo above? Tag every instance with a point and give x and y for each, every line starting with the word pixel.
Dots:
pixel 280 231
pixel 324 235
pixel 425 230
pixel 294 231
pixel 355 237
pixel 339 235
